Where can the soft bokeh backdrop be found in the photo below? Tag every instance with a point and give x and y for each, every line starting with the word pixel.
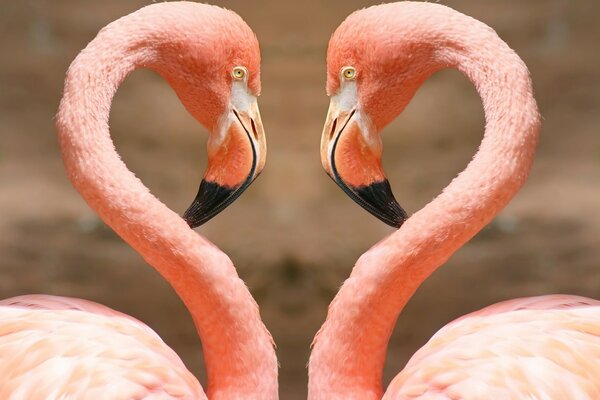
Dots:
pixel 294 235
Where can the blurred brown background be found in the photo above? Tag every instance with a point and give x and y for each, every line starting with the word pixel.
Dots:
pixel 294 235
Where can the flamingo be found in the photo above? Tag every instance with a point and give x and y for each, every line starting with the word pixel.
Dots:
pixel 532 348
pixel 63 348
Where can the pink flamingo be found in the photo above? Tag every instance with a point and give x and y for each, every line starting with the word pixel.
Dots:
pixel 537 348
pixel 61 348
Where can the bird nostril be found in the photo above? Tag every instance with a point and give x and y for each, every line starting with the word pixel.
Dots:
pixel 333 126
pixel 254 128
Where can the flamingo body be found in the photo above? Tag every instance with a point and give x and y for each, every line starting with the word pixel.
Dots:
pixel 545 348
pixel 539 348
pixel 63 348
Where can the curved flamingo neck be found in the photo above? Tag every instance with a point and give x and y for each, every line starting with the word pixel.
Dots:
pixel 238 350
pixel 349 351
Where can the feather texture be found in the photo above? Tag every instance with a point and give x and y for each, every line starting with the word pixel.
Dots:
pixel 64 348
pixel 533 348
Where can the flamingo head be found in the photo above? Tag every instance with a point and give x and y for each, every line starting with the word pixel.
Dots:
pixel 374 67
pixel 212 60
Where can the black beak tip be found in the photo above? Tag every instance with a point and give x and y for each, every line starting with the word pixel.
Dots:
pixel 400 216
pixel 190 220
pixel 378 199
pixel 193 216
pixel 211 199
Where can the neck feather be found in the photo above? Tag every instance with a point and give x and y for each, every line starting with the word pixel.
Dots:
pixel 238 350
pixel 349 351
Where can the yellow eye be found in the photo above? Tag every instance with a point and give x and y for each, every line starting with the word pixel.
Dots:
pixel 348 72
pixel 239 73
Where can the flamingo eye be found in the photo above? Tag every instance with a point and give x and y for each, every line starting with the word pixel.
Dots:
pixel 348 72
pixel 239 73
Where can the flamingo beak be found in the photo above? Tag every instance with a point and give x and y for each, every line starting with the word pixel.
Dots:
pixel 351 155
pixel 236 156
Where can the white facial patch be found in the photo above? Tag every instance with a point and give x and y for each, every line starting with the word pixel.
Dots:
pixel 345 101
pixel 347 97
pixel 242 101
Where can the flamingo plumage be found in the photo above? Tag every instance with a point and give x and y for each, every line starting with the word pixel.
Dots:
pixel 536 348
pixel 61 348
